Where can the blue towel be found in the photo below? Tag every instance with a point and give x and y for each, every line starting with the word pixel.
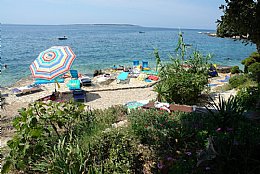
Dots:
pixel 44 81
pixel 225 80
pixel 74 84
pixel 152 72
pixel 212 84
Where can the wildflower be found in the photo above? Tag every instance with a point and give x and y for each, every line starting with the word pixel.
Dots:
pixel 229 129
pixel 207 168
pixel 218 129
pixel 188 153
pixel 160 165
pixel 169 158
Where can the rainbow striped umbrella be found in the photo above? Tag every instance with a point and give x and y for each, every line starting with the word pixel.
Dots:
pixel 52 62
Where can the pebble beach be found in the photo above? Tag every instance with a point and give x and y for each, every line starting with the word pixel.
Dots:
pixel 98 96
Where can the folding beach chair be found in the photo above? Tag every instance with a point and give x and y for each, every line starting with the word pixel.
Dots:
pixel 74 74
pixel 74 83
pixel 123 77
pixel 79 95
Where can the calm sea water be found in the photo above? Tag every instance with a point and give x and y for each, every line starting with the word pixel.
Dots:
pixel 102 46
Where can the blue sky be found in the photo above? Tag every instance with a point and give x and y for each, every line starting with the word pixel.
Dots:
pixel 200 14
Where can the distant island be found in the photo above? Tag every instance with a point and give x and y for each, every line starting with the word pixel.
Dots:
pixel 128 25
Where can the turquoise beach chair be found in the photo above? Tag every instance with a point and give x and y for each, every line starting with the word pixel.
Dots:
pixel 123 77
pixel 74 83
pixel 74 74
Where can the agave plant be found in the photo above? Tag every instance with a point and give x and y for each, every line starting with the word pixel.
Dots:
pixel 226 113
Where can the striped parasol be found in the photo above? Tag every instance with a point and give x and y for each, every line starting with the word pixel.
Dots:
pixel 52 62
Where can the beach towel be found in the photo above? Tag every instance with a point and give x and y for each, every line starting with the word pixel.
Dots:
pixel 225 80
pixel 150 72
pixel 152 77
pixel 45 81
pixel 136 104
pixel 74 84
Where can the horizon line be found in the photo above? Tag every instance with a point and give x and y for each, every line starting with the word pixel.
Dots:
pixel 108 24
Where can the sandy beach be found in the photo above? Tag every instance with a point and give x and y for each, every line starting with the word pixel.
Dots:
pixel 99 96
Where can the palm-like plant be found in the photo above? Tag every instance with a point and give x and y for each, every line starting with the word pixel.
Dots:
pixel 226 113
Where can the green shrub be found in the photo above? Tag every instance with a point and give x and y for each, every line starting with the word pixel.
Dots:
pixel 115 151
pixel 232 145
pixel 248 97
pixel 179 84
pixel 248 61
pixel 255 70
pixel 253 58
pixel 238 80
pixel 180 87
pixel 175 138
pixel 38 128
pixel 235 70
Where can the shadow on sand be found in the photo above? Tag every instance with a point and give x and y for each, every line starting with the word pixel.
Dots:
pixel 92 96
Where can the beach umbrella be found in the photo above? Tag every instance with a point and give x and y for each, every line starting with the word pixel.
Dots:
pixel 52 62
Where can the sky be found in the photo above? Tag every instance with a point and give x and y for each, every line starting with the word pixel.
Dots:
pixel 194 14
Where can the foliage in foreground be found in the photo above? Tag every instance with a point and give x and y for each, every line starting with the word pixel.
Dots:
pixel 63 138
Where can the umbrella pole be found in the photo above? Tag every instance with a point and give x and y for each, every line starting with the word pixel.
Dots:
pixel 55 88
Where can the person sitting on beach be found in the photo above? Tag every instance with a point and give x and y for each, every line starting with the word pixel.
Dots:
pixel 213 71
pixel 97 72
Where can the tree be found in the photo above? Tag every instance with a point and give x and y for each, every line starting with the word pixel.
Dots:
pixel 241 18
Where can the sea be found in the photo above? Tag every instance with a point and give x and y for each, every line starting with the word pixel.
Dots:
pixel 101 46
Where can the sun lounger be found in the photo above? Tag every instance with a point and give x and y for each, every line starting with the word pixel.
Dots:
pixel 85 81
pixel 26 90
pixel 79 95
pixel 123 77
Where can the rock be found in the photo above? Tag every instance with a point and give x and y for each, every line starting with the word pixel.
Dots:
pixel 224 69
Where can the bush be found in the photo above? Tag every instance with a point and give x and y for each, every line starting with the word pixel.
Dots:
pixel 238 80
pixel 255 70
pixel 253 58
pixel 179 84
pixel 115 151
pixel 38 128
pixel 180 87
pixel 248 97
pixel 174 138
pixel 235 70
pixel 232 145
pixel 110 151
